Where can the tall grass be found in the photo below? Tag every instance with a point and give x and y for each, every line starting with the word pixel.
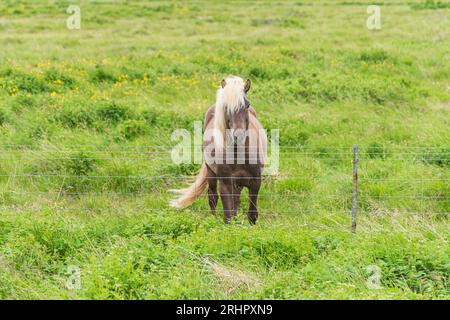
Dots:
pixel 86 118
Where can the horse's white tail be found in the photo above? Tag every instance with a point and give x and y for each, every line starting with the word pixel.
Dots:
pixel 191 193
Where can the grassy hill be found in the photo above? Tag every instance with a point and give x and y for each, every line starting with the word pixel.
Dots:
pixel 86 118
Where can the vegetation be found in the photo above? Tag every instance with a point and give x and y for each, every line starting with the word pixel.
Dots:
pixel 86 118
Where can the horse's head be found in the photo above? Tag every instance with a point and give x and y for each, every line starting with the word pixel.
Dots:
pixel 232 106
pixel 237 115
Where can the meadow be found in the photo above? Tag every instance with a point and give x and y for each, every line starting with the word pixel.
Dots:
pixel 86 118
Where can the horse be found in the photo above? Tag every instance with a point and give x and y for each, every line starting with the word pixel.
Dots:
pixel 235 147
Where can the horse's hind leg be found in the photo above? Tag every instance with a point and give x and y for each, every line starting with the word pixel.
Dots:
pixel 253 191
pixel 213 197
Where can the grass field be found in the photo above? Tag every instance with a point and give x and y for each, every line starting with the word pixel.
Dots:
pixel 83 186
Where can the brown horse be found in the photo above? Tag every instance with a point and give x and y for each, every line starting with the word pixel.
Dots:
pixel 235 146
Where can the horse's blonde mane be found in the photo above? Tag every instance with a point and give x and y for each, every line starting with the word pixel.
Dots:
pixel 228 100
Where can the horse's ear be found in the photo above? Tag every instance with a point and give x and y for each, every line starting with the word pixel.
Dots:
pixel 223 83
pixel 247 86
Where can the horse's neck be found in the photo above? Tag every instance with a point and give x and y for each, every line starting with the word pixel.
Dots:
pixel 254 124
pixel 209 116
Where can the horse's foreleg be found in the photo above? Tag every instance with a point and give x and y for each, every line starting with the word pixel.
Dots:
pixel 236 199
pixel 253 191
pixel 212 193
pixel 226 195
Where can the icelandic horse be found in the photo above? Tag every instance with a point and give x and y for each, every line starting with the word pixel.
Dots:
pixel 235 149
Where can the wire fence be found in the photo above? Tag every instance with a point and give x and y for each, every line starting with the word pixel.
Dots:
pixel 77 175
pixel 126 152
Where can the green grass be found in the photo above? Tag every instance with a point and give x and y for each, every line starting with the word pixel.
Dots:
pixel 80 186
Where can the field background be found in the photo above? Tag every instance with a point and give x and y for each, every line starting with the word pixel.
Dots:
pixel 83 185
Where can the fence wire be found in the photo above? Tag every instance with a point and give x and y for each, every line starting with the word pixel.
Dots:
pixel 23 180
